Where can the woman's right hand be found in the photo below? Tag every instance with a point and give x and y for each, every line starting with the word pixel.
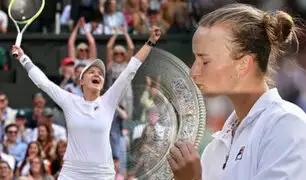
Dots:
pixel 184 161
pixel 19 50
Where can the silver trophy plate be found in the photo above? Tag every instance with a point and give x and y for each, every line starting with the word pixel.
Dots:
pixel 177 111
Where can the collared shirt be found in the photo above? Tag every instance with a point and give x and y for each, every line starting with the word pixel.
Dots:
pixel 269 144
pixel 4 114
pixel 18 150
pixel 24 136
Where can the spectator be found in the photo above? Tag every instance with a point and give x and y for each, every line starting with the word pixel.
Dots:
pixel 58 132
pixel 74 87
pixel 6 173
pixel 141 23
pixel 11 146
pixel 37 170
pixel 114 21
pixel 3 21
pixel 57 163
pixel 155 5
pixel 34 150
pixel 117 139
pixel 9 159
pixel 24 133
pixel 3 60
pixel 66 71
pixel 82 53
pixel 131 8
pixel 157 20
pixel 166 11
pixel 7 114
pixel 45 140
pixel 83 8
pixel 65 16
pixel 33 115
pixel 117 60
pixel 181 22
pixel 46 19
pixel 94 26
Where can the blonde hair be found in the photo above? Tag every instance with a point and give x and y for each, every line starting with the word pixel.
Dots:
pixel 119 48
pixel 255 32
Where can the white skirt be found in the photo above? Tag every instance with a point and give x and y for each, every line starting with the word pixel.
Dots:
pixel 73 170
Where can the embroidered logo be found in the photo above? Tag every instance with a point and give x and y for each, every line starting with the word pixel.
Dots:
pixel 240 154
pixel 97 107
pixel 23 60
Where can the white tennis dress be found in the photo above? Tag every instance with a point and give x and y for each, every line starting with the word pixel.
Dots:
pixel 88 155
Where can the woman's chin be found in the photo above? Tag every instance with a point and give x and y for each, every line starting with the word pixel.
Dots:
pixel 208 92
pixel 119 61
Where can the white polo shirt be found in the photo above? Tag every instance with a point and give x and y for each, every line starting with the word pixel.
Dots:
pixel 269 144
pixel 88 124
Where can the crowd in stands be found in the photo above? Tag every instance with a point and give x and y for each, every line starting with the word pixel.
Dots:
pixel 34 140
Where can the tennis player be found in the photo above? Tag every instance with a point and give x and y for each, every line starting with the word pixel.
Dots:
pixel 89 118
pixel 265 137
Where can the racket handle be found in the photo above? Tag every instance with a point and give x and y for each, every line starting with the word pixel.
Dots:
pixel 18 39
pixel 17 43
pixel 15 54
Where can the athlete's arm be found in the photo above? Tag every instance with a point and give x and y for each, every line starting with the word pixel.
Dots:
pixel 40 79
pixel 116 90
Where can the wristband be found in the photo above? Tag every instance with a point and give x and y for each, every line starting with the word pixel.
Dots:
pixel 150 43
pixel 24 59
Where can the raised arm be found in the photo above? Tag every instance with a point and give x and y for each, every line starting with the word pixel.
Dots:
pixel 109 51
pixel 130 44
pixel 58 95
pixel 90 39
pixel 71 42
pixel 122 113
pixel 115 92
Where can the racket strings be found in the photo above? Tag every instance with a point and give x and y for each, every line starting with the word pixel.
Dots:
pixel 23 10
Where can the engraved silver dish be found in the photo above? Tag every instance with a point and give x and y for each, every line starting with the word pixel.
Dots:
pixel 179 108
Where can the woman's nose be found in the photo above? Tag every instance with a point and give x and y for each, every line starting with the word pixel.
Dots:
pixel 195 70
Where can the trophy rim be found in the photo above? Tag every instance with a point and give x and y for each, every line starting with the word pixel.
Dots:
pixel 163 166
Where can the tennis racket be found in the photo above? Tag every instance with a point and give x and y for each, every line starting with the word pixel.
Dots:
pixel 24 12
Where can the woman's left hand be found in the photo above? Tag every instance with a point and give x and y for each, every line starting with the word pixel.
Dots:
pixel 155 34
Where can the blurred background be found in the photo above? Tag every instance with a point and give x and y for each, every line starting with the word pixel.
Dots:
pixel 71 33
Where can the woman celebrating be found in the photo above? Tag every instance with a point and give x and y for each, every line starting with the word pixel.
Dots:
pixel 265 136
pixel 89 118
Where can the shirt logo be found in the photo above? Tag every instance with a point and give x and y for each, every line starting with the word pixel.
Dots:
pixel 240 154
pixel 97 107
pixel 23 60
